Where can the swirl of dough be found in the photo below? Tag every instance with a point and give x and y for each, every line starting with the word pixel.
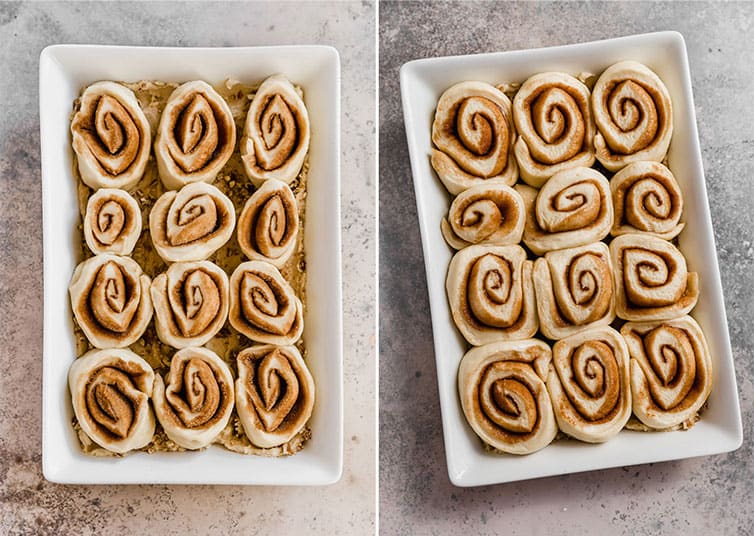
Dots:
pixel 195 137
pixel 503 395
pixel 112 222
pixel 485 214
pixel 555 126
pixel 190 303
pixel 572 209
pixel 111 137
pixel 276 134
pixel 574 289
pixel 589 384
pixel 110 392
pixel 651 278
pixel 491 294
pixel 647 199
pixel 263 305
pixel 474 135
pixel 274 394
pixel 198 400
pixel 192 223
pixel 671 370
pixel 110 300
pixel 634 115
pixel 268 225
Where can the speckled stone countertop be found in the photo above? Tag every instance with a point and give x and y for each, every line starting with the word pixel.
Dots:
pixel 697 496
pixel 29 504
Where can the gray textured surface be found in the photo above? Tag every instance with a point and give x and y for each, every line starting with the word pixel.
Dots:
pixel 708 495
pixel 29 504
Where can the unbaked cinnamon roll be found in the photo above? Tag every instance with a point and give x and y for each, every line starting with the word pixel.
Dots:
pixel 274 394
pixel 491 294
pixel 671 370
pixel 276 134
pixel 633 113
pixel 503 395
pixel 268 225
pixel 651 278
pixel 474 135
pixel 572 209
pixel 263 305
pixel 112 222
pixel 110 391
pixel 485 214
pixel 192 223
pixel 589 384
pixel 196 135
pixel 111 137
pixel 110 300
pixel 555 126
pixel 647 199
pixel 574 290
pixel 190 303
pixel 195 401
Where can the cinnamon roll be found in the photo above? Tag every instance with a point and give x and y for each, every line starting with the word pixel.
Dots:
pixel 474 135
pixel 671 370
pixel 263 305
pixel 572 209
pixel 190 303
pixel 195 137
pixel 112 222
pixel 196 404
pixel 651 278
pixel 110 300
pixel 503 395
pixel 491 294
pixel 111 137
pixel 574 290
pixel 647 199
pixel 192 223
pixel 555 126
pixel 485 214
pixel 589 384
pixel 268 225
pixel 274 394
pixel 110 391
pixel 276 134
pixel 633 113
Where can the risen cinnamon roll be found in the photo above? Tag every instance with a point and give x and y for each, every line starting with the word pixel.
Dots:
pixel 555 126
pixel 589 384
pixel 110 300
pixel 572 209
pixel 192 223
pixel 491 294
pixel 485 214
pixel 274 394
pixel 474 135
pixel 647 199
pixel 110 391
pixel 651 278
pixel 276 134
pixel 263 305
pixel 111 137
pixel 503 395
pixel 633 113
pixel 268 225
pixel 671 370
pixel 574 289
pixel 112 223
pixel 190 303
pixel 196 404
pixel 196 135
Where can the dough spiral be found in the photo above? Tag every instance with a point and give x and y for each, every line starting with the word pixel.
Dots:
pixel 112 222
